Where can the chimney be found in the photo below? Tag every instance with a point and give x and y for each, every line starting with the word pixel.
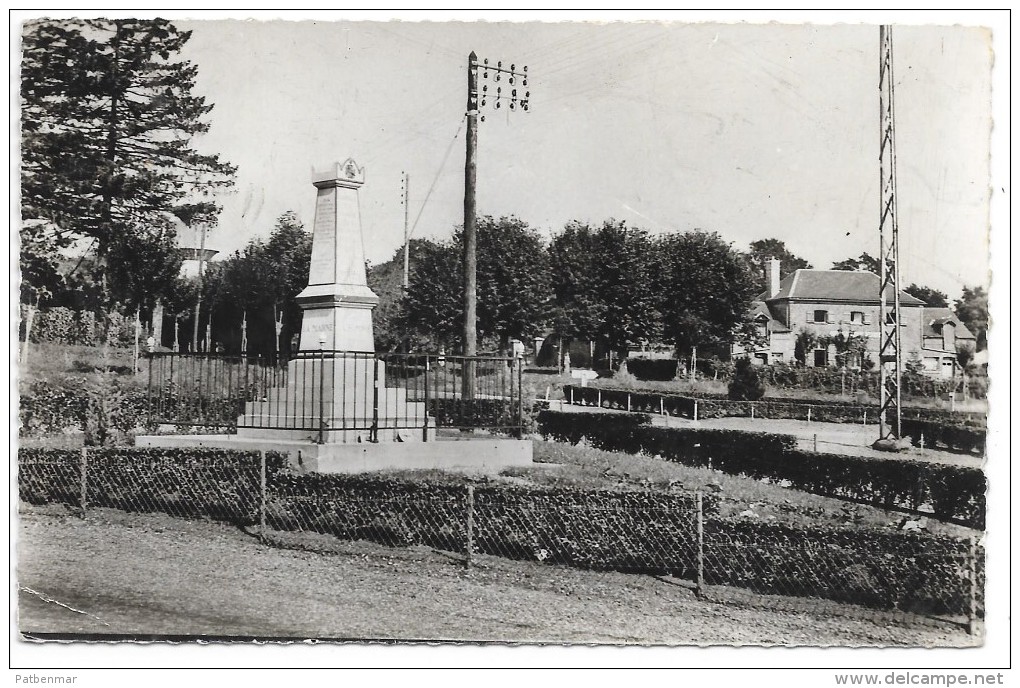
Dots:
pixel 773 274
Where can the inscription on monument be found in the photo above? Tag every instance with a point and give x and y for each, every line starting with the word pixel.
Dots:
pixel 322 270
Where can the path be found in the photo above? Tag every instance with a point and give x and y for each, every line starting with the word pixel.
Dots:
pixel 118 573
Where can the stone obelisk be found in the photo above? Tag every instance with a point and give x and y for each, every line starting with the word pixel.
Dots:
pixel 337 302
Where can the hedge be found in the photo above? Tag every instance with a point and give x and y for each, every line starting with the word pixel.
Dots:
pixel 908 572
pixel 951 492
pixel 956 437
pixel 600 530
pixel 630 531
pixel 216 483
pixel 45 408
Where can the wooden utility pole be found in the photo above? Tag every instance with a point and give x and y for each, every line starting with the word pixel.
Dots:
pixel 470 259
pixel 476 100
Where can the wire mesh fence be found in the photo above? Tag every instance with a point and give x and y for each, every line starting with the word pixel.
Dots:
pixel 676 533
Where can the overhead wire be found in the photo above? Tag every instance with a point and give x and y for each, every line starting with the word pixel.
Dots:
pixel 442 165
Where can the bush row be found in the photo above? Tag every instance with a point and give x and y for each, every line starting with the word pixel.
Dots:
pixel 472 412
pixel 215 483
pixel 937 434
pixel 47 409
pixel 62 325
pixel 949 492
pixel 907 572
pixel 650 532
pixel 599 530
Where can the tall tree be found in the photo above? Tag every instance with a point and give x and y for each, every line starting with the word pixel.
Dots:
pixel 434 302
pixel 931 297
pixel 603 280
pixel 513 284
pixel 972 309
pixel 108 117
pixel 862 262
pixel 758 257
pixel 706 290
pixel 258 286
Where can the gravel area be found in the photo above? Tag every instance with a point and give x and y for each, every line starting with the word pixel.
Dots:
pixel 120 573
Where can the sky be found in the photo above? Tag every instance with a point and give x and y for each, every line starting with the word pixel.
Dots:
pixel 750 130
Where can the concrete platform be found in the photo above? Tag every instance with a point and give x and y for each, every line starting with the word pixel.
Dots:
pixel 475 454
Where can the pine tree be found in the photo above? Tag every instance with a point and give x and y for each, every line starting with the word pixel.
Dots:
pixel 108 118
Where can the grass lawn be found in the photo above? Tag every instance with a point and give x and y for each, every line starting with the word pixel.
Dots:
pixel 62 363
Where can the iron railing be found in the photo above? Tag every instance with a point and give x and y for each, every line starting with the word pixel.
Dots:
pixel 335 395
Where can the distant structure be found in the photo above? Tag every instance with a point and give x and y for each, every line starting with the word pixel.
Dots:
pixel 821 306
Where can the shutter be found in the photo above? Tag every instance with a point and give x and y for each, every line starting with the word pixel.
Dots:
pixel 828 317
pixel 866 319
pixel 848 316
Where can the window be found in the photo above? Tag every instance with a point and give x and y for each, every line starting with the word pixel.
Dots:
pixel 763 359
pixel 821 358
pixel 778 355
pixel 821 316
pixel 857 317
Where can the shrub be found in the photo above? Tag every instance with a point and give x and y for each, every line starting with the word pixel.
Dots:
pixel 64 326
pixel 936 433
pixel 887 570
pixel 99 410
pixel 661 369
pixel 746 384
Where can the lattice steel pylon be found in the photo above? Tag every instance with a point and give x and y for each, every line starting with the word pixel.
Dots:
pixel 890 350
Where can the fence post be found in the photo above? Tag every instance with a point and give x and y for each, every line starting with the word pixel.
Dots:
pixel 262 496
pixel 628 401
pixel 322 394
pixel 425 423
pixel 695 409
pixel 84 480
pixel 598 395
pixel 972 575
pixel 571 395
pixel 865 416
pixel 808 414
pixel 470 526
pixel 662 406
pixel 375 400
pixel 699 581
pixel 519 364
pixel 752 410
pixel 816 442
pixel 148 394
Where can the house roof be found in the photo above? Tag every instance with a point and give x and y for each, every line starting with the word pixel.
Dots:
pixel 836 285
pixel 759 309
pixel 933 317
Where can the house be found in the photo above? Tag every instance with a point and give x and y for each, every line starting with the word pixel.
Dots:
pixel 941 335
pixel 836 315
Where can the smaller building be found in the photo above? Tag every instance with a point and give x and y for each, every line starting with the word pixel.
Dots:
pixel 835 317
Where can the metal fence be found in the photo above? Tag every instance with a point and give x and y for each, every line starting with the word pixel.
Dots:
pixel 335 392
pixel 678 533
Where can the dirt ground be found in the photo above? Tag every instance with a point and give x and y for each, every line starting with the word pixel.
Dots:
pixel 118 573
